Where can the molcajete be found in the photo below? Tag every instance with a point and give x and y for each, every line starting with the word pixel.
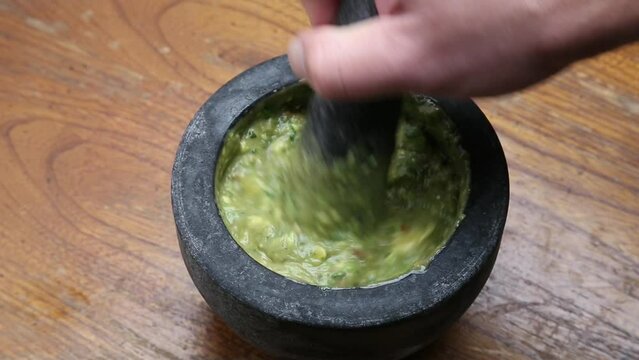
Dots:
pixel 296 320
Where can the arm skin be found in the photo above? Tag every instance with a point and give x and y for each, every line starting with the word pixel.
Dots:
pixel 455 48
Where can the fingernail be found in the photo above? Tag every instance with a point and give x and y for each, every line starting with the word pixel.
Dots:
pixel 296 58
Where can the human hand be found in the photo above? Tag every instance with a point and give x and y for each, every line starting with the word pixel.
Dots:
pixel 455 48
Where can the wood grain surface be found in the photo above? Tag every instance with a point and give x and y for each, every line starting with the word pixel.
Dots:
pixel 94 97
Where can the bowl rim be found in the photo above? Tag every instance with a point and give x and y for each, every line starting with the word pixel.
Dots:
pixel 206 242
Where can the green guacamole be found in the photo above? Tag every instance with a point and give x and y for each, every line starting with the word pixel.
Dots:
pixel 316 223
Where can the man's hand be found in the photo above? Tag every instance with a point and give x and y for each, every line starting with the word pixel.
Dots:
pixel 455 48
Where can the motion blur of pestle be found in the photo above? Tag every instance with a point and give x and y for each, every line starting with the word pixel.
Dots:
pixel 336 128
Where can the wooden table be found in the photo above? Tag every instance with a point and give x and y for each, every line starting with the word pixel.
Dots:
pixel 94 96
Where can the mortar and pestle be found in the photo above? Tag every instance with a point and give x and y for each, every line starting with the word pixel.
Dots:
pixel 294 320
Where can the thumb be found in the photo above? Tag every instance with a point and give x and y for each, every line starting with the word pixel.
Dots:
pixel 367 59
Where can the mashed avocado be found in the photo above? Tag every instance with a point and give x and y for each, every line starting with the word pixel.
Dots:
pixel 275 201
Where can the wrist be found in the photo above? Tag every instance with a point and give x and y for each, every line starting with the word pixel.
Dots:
pixel 575 29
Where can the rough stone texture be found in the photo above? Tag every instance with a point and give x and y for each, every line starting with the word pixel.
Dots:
pixel 291 319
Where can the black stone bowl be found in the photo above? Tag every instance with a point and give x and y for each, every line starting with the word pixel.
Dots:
pixel 294 320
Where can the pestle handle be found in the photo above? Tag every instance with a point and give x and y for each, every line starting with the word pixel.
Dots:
pixel 336 127
pixel 351 11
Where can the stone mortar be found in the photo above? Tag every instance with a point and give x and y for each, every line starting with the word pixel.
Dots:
pixel 295 320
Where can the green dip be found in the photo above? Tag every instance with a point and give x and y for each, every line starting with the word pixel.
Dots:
pixel 315 223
